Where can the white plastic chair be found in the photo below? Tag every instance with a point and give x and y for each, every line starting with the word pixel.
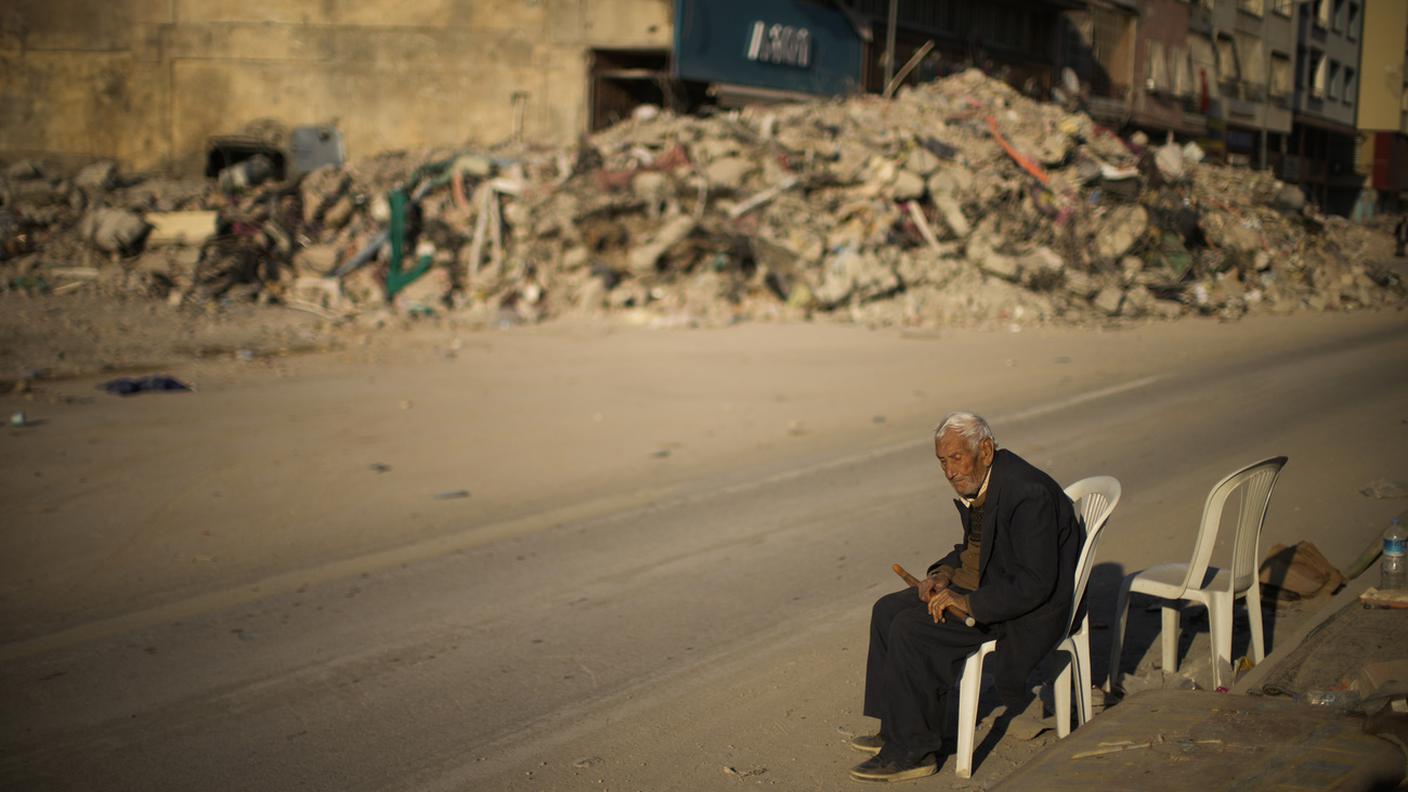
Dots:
pixel 1095 498
pixel 1212 587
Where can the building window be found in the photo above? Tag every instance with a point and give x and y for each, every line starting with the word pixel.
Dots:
pixel 1227 70
pixel 1182 72
pixel 1349 87
pixel 1332 86
pixel 1204 63
pixel 1251 60
pixel 1322 13
pixel 1319 64
pixel 1253 7
pixel 1156 68
pixel 1337 21
pixel 1280 75
pixel 1300 69
pixel 1352 26
pixel 1282 7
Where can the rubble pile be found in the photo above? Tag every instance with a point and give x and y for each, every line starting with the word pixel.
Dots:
pixel 957 202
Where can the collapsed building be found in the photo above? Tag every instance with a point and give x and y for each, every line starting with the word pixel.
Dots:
pixel 960 201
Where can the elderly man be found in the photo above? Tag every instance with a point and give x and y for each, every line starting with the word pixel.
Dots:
pixel 1013 572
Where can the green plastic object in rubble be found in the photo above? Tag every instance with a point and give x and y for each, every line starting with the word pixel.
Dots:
pixel 397 278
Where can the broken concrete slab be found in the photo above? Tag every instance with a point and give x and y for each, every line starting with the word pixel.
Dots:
pixel 98 177
pixel 907 186
pixel 729 173
pixel 114 230
pixel 181 229
pixel 1042 268
pixel 1121 230
pixel 644 257
pixel 1109 300
pixel 953 216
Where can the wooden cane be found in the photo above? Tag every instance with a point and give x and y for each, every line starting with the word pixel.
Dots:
pixel 968 620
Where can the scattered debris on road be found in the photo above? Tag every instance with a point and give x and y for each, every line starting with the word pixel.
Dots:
pixel 127 386
pixel 1385 488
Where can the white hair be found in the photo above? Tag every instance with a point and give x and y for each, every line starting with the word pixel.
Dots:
pixel 972 428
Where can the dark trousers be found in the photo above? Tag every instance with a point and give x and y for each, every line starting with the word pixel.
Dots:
pixel 912 665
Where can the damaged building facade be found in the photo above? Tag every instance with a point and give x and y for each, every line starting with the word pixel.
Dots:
pixel 150 84
pixel 1324 137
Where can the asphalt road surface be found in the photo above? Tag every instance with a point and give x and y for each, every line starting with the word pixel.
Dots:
pixel 702 637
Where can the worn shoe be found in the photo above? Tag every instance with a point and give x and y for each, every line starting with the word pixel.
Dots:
pixel 868 743
pixel 889 768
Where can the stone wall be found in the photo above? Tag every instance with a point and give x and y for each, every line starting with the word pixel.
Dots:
pixel 147 82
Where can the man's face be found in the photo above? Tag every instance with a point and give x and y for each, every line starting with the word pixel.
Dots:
pixel 964 467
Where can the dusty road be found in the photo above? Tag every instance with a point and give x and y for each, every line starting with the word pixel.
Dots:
pixel 664 563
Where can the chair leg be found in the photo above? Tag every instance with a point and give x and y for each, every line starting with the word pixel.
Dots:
pixel 1254 618
pixel 1085 705
pixel 1112 680
pixel 969 688
pixel 1169 637
pixel 1061 693
pixel 1220 625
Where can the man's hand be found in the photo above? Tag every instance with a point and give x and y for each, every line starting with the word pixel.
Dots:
pixel 931 585
pixel 943 600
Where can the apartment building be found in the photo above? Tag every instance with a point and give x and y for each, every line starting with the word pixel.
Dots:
pixel 1381 157
pixel 1177 80
pixel 1321 150
pixel 1098 44
pixel 1255 46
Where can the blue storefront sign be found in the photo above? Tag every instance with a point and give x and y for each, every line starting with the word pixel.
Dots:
pixel 788 45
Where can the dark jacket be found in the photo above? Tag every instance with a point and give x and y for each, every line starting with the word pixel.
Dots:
pixel 1026 573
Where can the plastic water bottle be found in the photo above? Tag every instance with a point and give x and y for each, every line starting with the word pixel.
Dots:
pixel 1392 573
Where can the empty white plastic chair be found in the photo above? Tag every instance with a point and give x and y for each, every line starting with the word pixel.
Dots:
pixel 1094 498
pixel 1212 587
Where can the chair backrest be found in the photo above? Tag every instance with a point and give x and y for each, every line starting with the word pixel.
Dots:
pixel 1094 498
pixel 1254 482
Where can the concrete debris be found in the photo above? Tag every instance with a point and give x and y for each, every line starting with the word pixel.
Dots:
pixel 1123 229
pixel 1042 268
pixel 1109 300
pixel 24 170
pixel 180 228
pixel 114 230
pixel 1385 488
pixel 952 214
pixel 643 258
pixel 1169 160
pixel 729 172
pixel 98 177
pixel 907 186
pixel 960 201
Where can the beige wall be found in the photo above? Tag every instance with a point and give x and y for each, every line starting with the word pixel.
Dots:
pixel 1381 66
pixel 148 81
